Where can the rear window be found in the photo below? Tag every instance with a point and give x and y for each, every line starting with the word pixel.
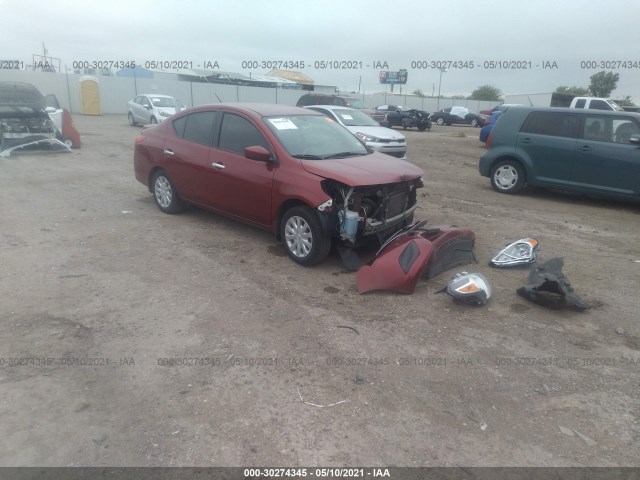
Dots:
pixel 599 105
pixel 551 123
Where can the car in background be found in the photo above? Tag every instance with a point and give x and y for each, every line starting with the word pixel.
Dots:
pixel 286 169
pixel 499 108
pixel 150 109
pixel 579 150
pixel 595 103
pixel 405 117
pixel 458 115
pixel 29 120
pixel 382 139
pixel 341 101
pixel 485 132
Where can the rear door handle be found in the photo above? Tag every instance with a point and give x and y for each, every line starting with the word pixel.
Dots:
pixel 218 166
pixel 585 148
pixel 169 152
pixel 527 140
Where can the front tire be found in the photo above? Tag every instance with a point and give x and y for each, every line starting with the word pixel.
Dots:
pixel 164 193
pixel 132 121
pixel 153 121
pixel 304 238
pixel 508 176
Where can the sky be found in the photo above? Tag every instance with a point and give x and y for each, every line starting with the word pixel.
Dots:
pixel 509 43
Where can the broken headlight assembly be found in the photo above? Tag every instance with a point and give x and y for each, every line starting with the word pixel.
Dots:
pixel 521 252
pixel 469 288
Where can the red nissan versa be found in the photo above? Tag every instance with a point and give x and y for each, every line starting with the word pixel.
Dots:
pixel 291 170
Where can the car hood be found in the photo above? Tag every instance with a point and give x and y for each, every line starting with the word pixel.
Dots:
pixel 169 110
pixel 372 169
pixel 380 132
pixel 17 94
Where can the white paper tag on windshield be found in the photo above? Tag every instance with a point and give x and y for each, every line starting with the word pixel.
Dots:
pixel 347 117
pixel 283 124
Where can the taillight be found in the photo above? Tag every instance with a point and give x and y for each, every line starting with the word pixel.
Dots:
pixel 139 139
pixel 488 143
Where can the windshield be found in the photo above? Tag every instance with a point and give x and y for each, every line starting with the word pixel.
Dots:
pixel 314 137
pixel 354 103
pixel 163 101
pixel 355 118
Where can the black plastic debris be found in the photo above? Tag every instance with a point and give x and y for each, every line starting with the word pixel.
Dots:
pixel 549 287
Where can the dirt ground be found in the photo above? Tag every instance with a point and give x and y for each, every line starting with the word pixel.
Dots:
pixel 100 289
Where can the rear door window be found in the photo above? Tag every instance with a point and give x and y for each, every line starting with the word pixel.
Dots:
pixel 553 124
pixel 599 105
pixel 199 127
pixel 179 124
pixel 580 103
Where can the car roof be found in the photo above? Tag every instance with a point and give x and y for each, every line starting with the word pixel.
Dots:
pixel 262 109
pixel 577 111
pixel 153 95
pixel 329 107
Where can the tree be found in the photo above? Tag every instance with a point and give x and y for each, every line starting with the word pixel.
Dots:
pixel 419 93
pixel 581 91
pixel 603 83
pixel 486 92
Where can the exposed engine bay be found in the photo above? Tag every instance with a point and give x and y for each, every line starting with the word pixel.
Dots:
pixel 369 210
pixel 24 122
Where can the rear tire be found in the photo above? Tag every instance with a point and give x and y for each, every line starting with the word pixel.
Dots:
pixel 440 121
pixel 474 122
pixel 165 194
pixel 304 238
pixel 508 176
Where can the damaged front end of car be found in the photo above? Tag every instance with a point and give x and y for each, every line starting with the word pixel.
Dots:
pixel 24 123
pixel 373 211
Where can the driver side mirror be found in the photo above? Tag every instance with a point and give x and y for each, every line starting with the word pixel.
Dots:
pixel 634 139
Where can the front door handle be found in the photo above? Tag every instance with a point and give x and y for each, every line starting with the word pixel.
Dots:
pixel 219 166
pixel 527 140
pixel 585 148
pixel 169 152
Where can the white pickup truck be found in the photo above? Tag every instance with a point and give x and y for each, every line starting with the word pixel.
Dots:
pixel 595 103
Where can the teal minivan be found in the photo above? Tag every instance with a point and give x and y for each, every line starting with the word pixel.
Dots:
pixel 588 151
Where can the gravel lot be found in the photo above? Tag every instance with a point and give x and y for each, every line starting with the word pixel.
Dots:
pixel 91 269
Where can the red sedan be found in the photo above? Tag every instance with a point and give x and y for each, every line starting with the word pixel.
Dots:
pixel 287 169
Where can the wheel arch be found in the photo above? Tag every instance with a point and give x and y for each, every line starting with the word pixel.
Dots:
pixel 152 173
pixel 326 219
pixel 525 166
pixel 284 206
